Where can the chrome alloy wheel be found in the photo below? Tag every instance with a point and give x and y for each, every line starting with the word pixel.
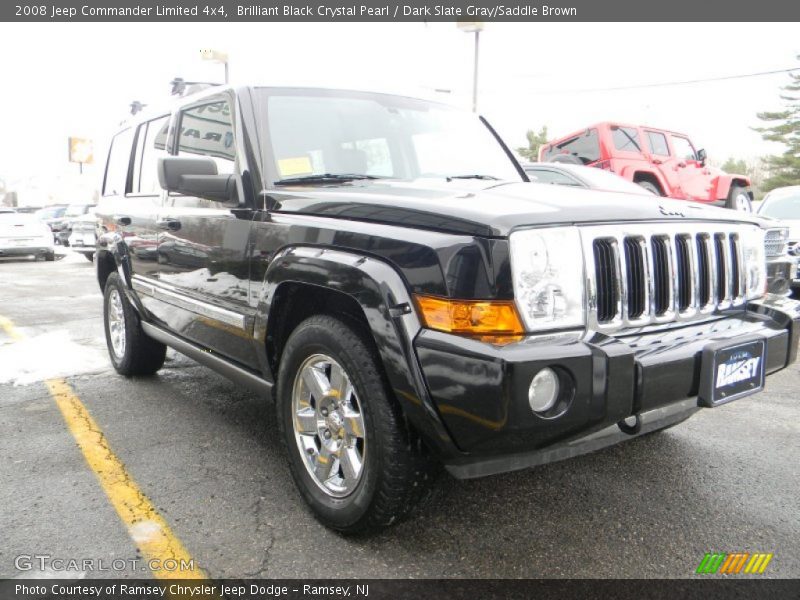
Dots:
pixel 116 323
pixel 328 425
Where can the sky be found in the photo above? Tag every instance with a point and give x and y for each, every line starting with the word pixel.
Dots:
pixel 78 79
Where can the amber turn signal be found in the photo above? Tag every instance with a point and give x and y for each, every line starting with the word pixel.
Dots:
pixel 470 316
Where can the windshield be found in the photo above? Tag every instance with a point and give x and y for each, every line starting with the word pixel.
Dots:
pixel 314 133
pixel 783 207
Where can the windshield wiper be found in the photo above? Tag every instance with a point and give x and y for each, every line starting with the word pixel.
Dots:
pixel 324 178
pixel 472 176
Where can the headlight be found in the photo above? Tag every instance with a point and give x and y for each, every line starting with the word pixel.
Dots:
pixel 755 262
pixel 547 269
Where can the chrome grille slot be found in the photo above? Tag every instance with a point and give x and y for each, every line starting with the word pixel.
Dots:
pixel 652 274
pixel 722 262
pixel 662 275
pixel 636 276
pixel 736 280
pixel 606 266
pixel 703 271
pixel 685 274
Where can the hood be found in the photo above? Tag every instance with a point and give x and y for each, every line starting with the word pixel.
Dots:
pixel 488 209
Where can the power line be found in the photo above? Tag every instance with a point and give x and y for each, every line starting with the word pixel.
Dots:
pixel 670 83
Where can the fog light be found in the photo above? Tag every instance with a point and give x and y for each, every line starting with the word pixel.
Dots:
pixel 543 392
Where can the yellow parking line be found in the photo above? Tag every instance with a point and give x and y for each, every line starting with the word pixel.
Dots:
pixel 148 529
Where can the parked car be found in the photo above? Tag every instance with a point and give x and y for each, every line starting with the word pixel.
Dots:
pixel 51 215
pixel 61 227
pixel 379 268
pixel 580 176
pixel 25 235
pixel 82 234
pixel 663 162
pixel 783 204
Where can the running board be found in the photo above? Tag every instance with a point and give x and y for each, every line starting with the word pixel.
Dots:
pixel 205 357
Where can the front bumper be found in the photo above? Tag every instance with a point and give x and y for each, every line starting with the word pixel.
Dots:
pixel 25 250
pixel 481 390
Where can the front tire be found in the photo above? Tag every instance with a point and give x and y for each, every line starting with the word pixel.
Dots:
pixel 739 199
pixel 650 187
pixel 352 457
pixel 131 351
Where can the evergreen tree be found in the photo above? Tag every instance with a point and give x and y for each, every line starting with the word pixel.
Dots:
pixel 784 128
pixel 535 141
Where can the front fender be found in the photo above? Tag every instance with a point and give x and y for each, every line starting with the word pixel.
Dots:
pixel 384 299
pixel 723 183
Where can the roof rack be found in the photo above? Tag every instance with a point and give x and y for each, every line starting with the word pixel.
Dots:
pixel 185 88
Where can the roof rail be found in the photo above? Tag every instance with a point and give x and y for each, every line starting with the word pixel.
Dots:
pixel 186 88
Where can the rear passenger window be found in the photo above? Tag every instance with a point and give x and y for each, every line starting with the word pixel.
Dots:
pixel 150 144
pixel 626 139
pixel 586 147
pixel 118 166
pixel 206 129
pixel 657 143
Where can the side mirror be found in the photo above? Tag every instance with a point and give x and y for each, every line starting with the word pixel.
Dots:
pixel 701 156
pixel 195 177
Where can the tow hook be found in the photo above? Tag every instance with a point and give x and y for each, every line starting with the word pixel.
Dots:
pixel 631 428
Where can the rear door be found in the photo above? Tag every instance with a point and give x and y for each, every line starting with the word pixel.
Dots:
pixel 203 259
pixel 124 212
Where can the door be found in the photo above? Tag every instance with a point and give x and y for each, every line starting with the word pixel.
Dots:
pixel 664 163
pixel 693 176
pixel 203 262
pixel 124 212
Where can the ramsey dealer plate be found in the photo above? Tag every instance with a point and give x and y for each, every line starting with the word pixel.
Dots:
pixel 730 371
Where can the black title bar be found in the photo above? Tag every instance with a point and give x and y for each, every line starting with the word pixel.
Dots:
pixel 399 10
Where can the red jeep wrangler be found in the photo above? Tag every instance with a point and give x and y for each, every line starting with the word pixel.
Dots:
pixel 663 162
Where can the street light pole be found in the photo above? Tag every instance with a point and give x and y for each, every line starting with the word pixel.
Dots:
pixel 473 27
pixel 475 72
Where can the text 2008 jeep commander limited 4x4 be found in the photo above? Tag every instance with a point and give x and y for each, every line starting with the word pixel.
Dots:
pixel 379 267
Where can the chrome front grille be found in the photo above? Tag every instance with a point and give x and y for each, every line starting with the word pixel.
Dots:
pixel 648 275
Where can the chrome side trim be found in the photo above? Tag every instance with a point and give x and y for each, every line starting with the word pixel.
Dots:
pixel 171 295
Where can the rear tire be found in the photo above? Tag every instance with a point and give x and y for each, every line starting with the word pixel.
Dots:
pixel 385 473
pixel 650 187
pixel 49 256
pixel 739 199
pixel 89 256
pixel 131 351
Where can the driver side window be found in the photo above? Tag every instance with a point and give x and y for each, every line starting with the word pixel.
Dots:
pixel 683 148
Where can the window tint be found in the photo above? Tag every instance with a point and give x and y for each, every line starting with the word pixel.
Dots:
pixel 119 159
pixel 683 148
pixel 207 130
pixel 548 176
pixel 586 147
pixel 658 143
pixel 626 139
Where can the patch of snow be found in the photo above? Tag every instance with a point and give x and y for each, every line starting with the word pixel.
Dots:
pixel 49 356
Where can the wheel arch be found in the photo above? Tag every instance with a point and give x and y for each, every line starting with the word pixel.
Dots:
pixel 652 177
pixel 726 181
pixel 304 280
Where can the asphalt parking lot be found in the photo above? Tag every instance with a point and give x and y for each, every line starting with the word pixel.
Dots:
pixel 207 455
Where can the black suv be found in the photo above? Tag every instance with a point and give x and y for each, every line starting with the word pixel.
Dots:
pixel 377 266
